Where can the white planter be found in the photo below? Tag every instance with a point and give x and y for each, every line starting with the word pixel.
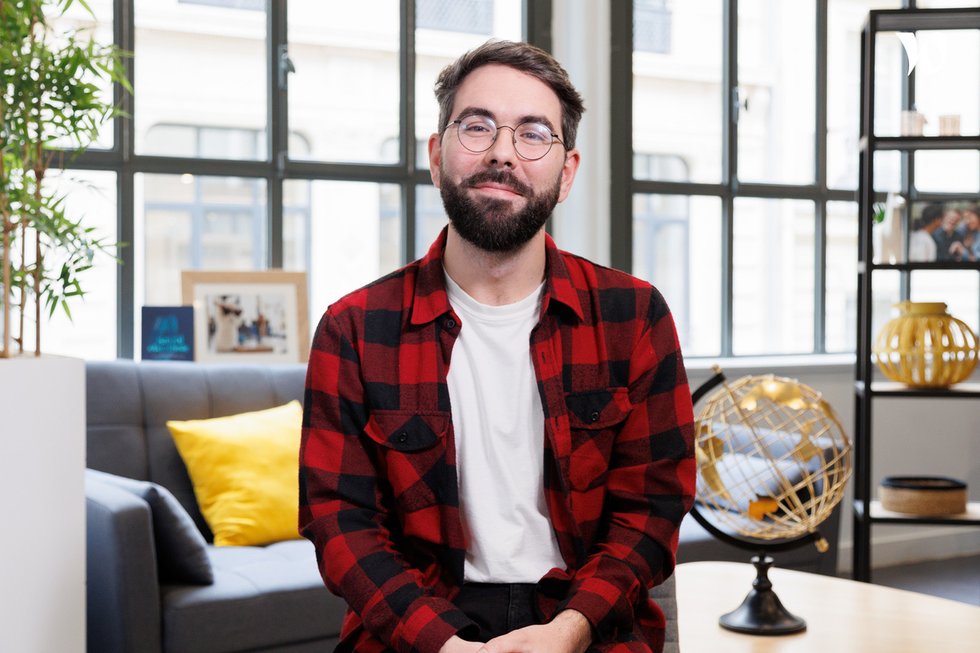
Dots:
pixel 42 504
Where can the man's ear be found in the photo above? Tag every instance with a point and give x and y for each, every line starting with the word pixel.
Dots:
pixel 435 157
pixel 572 160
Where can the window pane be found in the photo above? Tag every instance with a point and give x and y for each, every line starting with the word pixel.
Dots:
pixel 840 317
pixel 444 30
pixel 99 29
pixel 430 218
pixel 677 96
pixel 958 289
pixel 91 198
pixel 845 20
pixel 773 277
pixel 343 234
pixel 948 172
pixel 885 294
pixel 196 223
pixel 890 71
pixel 946 78
pixel 677 248
pixel 777 90
pixel 201 65
pixel 344 95
pixel 887 171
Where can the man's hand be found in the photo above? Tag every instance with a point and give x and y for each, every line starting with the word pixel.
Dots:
pixel 568 632
pixel 456 644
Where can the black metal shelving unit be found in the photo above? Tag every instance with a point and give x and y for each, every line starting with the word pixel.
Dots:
pixel 867 511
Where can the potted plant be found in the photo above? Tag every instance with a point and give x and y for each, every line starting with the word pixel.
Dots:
pixel 51 99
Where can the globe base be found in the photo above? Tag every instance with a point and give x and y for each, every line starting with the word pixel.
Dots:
pixel 762 613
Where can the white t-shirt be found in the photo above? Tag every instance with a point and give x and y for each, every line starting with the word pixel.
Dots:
pixel 499 427
pixel 922 246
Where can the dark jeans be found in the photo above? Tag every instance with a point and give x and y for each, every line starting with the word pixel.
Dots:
pixel 498 608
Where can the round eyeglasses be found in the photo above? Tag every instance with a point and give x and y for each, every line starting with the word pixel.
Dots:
pixel 532 140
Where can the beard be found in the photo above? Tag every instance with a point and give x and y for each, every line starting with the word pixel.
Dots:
pixel 489 223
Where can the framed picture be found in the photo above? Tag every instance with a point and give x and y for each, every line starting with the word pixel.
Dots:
pixel 248 317
pixel 944 232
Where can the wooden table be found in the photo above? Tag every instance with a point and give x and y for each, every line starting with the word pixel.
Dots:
pixel 841 615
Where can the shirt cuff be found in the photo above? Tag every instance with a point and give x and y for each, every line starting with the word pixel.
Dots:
pixel 430 625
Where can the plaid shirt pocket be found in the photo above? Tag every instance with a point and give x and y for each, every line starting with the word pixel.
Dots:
pixel 410 450
pixel 594 420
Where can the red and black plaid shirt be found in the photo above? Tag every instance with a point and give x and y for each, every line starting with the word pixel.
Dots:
pixel 378 488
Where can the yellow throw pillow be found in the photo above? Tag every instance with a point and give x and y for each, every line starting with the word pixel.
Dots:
pixel 245 469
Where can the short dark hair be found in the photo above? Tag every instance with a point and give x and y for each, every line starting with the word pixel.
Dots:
pixel 520 56
pixel 930 213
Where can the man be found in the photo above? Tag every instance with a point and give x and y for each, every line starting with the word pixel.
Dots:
pixel 922 241
pixel 497 448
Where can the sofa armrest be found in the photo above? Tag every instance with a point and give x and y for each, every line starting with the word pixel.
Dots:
pixel 123 591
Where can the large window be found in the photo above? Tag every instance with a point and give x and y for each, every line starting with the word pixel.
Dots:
pixel 743 138
pixel 267 134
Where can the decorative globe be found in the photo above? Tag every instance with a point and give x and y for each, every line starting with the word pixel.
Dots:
pixel 772 461
pixel 772 458
pixel 925 346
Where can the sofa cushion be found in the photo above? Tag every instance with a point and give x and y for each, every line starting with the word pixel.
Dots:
pixel 262 597
pixel 244 470
pixel 181 550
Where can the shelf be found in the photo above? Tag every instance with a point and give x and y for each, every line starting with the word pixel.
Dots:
pixel 869 384
pixel 909 143
pixel 969 518
pixel 912 20
pixel 932 265
pixel 893 389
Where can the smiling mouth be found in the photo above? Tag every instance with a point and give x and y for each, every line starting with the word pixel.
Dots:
pixel 497 189
pixel 497 183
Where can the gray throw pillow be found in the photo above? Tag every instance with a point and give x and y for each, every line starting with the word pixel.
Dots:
pixel 182 555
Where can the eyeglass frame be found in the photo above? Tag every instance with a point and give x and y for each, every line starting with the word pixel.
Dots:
pixel 513 130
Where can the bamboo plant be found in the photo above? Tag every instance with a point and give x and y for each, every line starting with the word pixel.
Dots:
pixel 52 105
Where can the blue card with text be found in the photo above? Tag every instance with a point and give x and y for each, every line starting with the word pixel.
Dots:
pixel 168 333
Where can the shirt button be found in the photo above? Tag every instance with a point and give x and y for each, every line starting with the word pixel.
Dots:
pixel 450 323
pixel 403 436
pixel 594 417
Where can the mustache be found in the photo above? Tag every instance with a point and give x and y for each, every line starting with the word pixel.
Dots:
pixel 498 177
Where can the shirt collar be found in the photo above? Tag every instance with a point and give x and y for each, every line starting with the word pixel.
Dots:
pixel 431 301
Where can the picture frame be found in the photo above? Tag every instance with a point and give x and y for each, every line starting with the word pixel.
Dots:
pixel 944 232
pixel 248 317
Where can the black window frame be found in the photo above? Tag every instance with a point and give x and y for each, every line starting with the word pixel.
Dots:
pixel 277 167
pixel 624 184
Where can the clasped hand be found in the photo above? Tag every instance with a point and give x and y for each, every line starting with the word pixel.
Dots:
pixel 569 632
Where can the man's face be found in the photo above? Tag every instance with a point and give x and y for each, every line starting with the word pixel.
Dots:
pixel 951 218
pixel 495 199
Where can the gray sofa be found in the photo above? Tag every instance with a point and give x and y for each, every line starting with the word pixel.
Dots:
pixel 262 599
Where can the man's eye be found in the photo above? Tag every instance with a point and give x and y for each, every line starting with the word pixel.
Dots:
pixel 534 135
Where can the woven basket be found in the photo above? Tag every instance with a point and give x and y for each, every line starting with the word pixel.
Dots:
pixel 923 495
pixel 926 347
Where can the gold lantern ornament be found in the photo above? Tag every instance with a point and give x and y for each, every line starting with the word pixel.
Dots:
pixel 925 346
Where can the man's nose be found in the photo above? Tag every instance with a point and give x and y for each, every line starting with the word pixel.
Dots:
pixel 503 151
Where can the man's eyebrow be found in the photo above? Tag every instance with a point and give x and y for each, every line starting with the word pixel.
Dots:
pixel 481 111
pixel 474 111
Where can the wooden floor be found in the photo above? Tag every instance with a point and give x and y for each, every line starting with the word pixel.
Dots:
pixel 954 578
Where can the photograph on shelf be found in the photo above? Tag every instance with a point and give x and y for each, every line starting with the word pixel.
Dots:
pixel 168 333
pixel 947 232
pixel 943 232
pixel 248 317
